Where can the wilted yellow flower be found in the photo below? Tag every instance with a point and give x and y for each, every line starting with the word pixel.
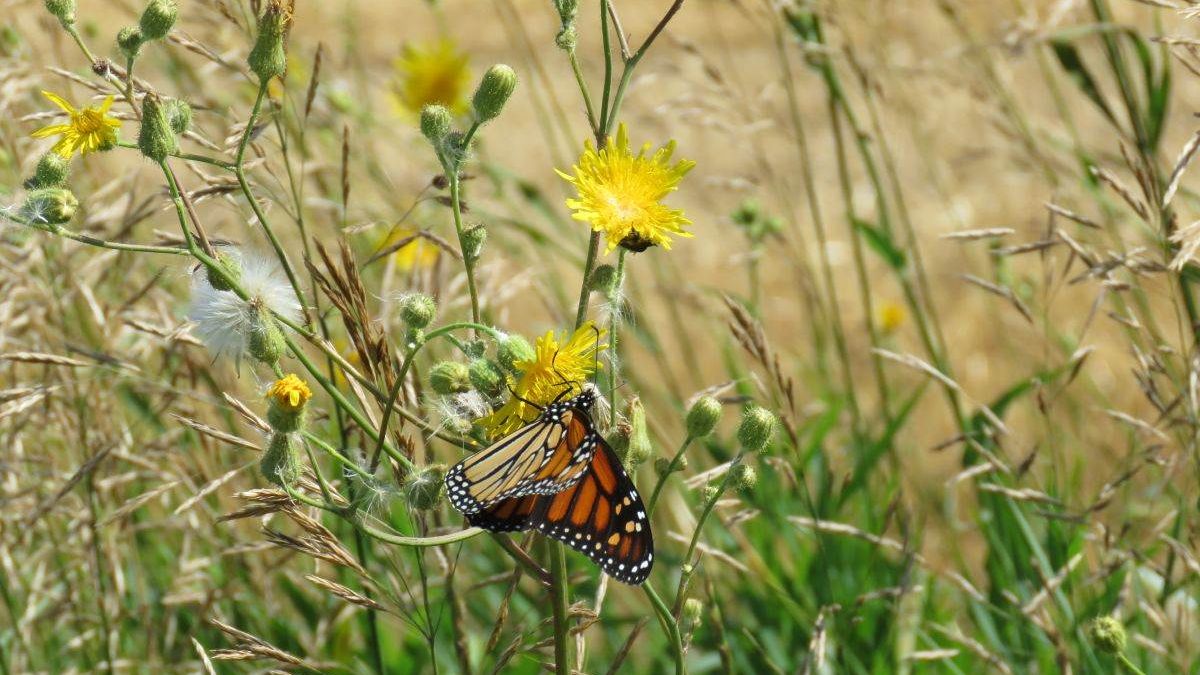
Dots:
pixel 620 193
pixel 88 130
pixel 290 393
pixel 431 73
pixel 891 316
pixel 559 363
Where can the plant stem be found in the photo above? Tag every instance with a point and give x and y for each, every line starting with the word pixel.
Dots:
pixel 562 601
pixel 671 468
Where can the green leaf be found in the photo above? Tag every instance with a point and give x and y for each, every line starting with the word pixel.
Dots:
pixel 1071 61
pixel 881 242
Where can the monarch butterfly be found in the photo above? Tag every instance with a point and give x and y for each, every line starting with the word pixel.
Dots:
pixel 559 476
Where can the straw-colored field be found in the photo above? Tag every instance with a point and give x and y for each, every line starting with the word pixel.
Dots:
pixel 908 383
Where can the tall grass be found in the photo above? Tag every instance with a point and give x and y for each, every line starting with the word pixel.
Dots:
pixel 948 247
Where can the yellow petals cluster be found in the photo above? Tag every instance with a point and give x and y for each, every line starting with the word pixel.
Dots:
pixel 431 73
pixel 290 393
pixel 620 193
pixel 87 130
pixel 558 369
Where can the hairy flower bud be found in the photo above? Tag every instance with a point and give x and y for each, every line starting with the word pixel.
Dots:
pixel 639 440
pixel 494 90
pixel 604 280
pixel 756 429
pixel 63 10
pixel 417 310
pixel 703 417
pixel 179 115
pixel 1108 634
pixel 268 58
pixel 744 478
pixel 155 138
pixel 280 463
pixel 450 377
pixel 158 18
pixel 51 172
pixel 130 41
pixel 472 242
pixel 265 340
pixel 49 206
pixel 436 122
pixel 664 466
pixel 423 488
pixel 692 609
pixel 486 377
pixel 232 268
pixel 512 350
pixel 711 492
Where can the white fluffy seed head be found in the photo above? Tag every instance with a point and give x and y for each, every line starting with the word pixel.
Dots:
pixel 223 320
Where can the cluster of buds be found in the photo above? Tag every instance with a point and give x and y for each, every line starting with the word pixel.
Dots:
pixel 156 22
pixel 50 202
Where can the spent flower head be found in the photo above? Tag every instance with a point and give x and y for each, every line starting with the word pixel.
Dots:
pixel 433 73
pixel 88 129
pixel 558 368
pixel 228 324
pixel 620 193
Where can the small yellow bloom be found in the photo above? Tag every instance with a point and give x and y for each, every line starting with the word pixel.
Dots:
pixel 431 73
pixel 419 253
pixel 290 393
pixel 620 193
pixel 891 316
pixel 89 129
pixel 560 364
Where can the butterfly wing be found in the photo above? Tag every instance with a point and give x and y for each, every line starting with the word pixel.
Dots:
pixel 601 516
pixel 543 457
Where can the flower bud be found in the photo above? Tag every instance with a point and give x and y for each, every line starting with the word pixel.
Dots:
pixel 756 429
pixel 417 310
pixel 512 350
pixel 268 58
pixel 423 488
pixel 52 171
pixel 472 242
pixel 703 417
pixel 746 214
pixel 158 18
pixel 155 138
pixel 486 377
pixel 450 377
pixel 130 41
pixel 232 268
pixel 413 338
pixel 435 123
pixel 711 492
pixel 63 10
pixel 475 348
pixel 692 609
pixel 49 206
pixel 288 400
pixel 493 92
pixel 604 280
pixel 639 440
pixel 179 115
pixel 265 340
pixel 744 478
pixel 280 462
pixel 663 465
pixel 566 38
pixel 1108 634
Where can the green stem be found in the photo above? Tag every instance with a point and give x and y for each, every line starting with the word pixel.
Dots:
pixel 593 123
pixel 1128 666
pixel 561 589
pixel 614 324
pixel 228 166
pixel 669 624
pixel 468 262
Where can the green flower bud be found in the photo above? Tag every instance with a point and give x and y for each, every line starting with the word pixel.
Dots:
pixel 472 242
pixel 703 417
pixel 493 92
pixel 52 171
pixel 711 492
pixel 663 466
pixel 265 341
pixel 512 350
pixel 63 10
pixel 744 478
pixel 417 310
pixel 49 206
pixel 423 488
pixel 756 429
pixel 155 138
pixel 436 122
pixel 486 377
pixel 158 18
pixel 603 280
pixel 280 463
pixel 179 115
pixel 475 348
pixel 639 440
pixel 231 267
pixel 456 147
pixel 130 41
pixel 746 214
pixel 413 338
pixel 692 609
pixel 268 58
pixel 566 38
pixel 1108 634
pixel 450 377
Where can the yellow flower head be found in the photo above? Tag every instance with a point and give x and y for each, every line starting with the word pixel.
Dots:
pixel 88 130
pixel 417 253
pixel 560 364
pixel 891 316
pixel 620 193
pixel 290 393
pixel 431 73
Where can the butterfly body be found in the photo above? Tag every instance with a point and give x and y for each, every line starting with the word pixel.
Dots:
pixel 558 475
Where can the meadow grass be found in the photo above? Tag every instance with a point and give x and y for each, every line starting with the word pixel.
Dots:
pixel 918 395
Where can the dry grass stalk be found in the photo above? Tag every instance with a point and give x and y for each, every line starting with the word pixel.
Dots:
pixel 47 359
pixel 219 435
pixel 345 593
pixel 251 648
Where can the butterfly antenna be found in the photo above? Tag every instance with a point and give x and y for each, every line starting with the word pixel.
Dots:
pixel 563 382
pixel 522 399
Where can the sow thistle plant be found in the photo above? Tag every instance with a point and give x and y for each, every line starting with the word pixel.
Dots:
pixel 342 433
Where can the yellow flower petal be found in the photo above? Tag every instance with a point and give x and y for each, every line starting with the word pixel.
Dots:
pixel 59 101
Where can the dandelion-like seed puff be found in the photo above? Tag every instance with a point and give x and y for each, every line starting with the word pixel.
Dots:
pixel 224 322
pixel 558 369
pixel 431 73
pixel 620 193
pixel 87 130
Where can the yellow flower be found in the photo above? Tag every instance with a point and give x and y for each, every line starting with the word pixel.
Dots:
pixel 431 73
pixel 891 316
pixel 620 193
pixel 556 371
pixel 417 253
pixel 89 129
pixel 290 393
